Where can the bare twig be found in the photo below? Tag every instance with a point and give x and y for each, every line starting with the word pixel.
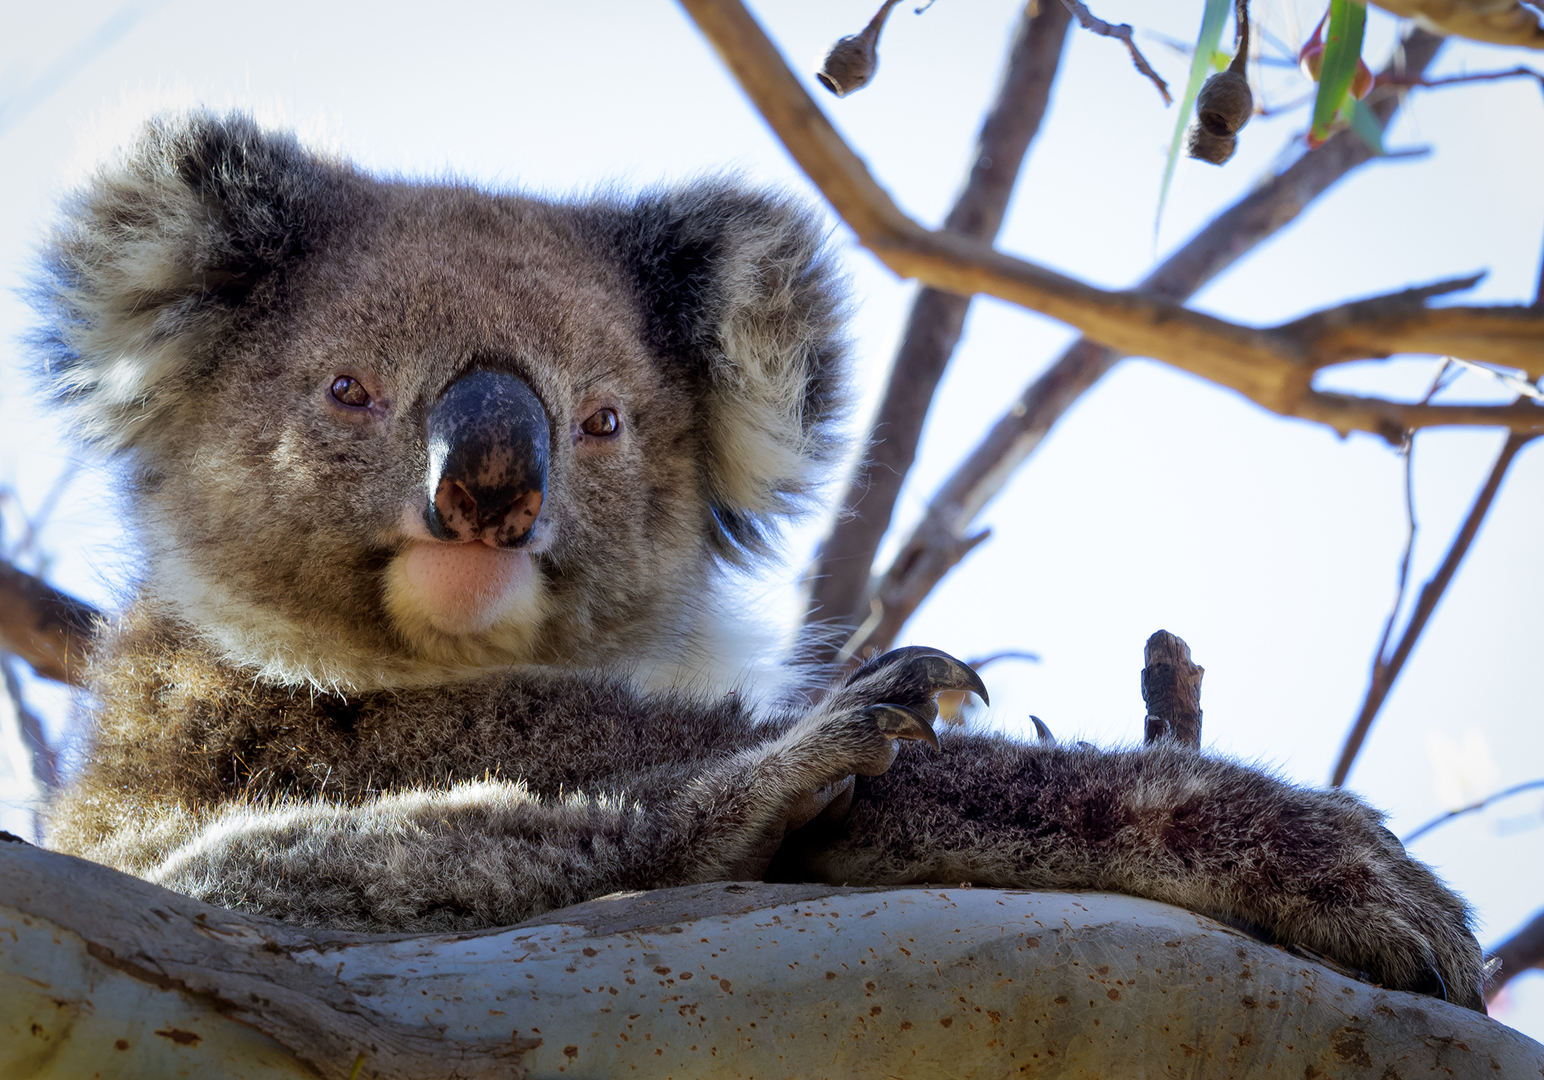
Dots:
pixel 1271 366
pixel 33 523
pixel 1443 819
pixel 1231 235
pixel 47 628
pixel 1408 452
pixel 1386 669
pixel 1123 34
pixel 1405 79
pixel 841 572
pixel 977 663
pixel 1518 953
pixel 1171 688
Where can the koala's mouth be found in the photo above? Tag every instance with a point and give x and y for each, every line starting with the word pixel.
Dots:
pixel 461 589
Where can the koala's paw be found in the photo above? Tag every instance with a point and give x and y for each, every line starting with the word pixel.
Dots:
pixel 892 697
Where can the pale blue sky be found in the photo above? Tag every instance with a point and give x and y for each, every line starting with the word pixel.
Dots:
pixel 1161 501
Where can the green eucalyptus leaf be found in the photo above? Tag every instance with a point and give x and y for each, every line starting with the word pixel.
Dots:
pixel 1342 52
pixel 1212 18
pixel 1366 124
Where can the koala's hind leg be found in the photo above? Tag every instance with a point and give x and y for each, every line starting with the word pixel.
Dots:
pixel 1311 868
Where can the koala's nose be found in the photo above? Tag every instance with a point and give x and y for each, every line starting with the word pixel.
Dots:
pixel 488 446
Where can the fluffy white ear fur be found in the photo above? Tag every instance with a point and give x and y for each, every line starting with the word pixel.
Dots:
pixel 144 272
pixel 740 290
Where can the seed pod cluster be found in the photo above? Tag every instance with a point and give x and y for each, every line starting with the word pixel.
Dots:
pixel 1222 108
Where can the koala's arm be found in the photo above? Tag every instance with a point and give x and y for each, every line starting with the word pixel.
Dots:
pixel 493 852
pixel 1309 868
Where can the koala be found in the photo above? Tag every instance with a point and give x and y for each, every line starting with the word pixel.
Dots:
pixel 441 494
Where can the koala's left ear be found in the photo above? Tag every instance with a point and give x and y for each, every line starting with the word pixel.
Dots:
pixel 740 294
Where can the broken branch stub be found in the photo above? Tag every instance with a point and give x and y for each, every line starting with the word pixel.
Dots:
pixel 1171 687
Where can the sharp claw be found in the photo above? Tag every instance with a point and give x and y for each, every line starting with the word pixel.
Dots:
pixel 1042 731
pixel 899 722
pixel 947 673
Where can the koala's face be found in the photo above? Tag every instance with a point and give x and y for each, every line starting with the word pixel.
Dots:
pixel 382 433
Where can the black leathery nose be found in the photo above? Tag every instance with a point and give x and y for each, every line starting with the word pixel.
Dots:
pixel 489 442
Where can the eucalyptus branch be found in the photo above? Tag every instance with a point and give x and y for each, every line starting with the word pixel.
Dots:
pixel 840 575
pixel 48 629
pixel 931 551
pixel 1272 366
pixel 1497 796
pixel 1521 952
pixel 1386 668
pixel 1121 33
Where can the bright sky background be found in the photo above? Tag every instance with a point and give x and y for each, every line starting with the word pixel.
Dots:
pixel 1270 545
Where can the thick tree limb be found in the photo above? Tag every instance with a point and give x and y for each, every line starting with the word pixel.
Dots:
pixel 1271 366
pixel 1386 669
pixel 100 972
pixel 47 628
pixel 1519 953
pixel 841 572
pixel 1500 22
pixel 932 549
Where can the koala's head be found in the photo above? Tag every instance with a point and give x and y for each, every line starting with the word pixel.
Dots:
pixel 380 432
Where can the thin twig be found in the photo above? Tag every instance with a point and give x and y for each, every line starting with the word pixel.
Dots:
pixel 980 662
pixel 33 524
pixel 1273 367
pixel 1270 207
pixel 1385 672
pixel 1408 453
pixel 1123 34
pixel 1443 819
pixel 1241 36
pixel 1395 78
pixel 840 575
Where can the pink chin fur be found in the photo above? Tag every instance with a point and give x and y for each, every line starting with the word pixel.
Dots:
pixel 465 588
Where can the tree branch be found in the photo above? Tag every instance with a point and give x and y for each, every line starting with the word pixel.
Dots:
pixel 841 571
pixel 1171 689
pixel 1505 23
pixel 1518 953
pixel 1443 819
pixel 1271 366
pixel 47 628
pixel 930 552
pixel 103 972
pixel 1386 669
pixel 1122 33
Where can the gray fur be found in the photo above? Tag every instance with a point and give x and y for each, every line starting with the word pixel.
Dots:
pixel 282 727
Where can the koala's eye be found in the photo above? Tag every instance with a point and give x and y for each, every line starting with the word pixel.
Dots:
pixel 350 392
pixel 601 423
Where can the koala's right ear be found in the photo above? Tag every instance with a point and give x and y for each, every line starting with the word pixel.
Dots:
pixel 156 257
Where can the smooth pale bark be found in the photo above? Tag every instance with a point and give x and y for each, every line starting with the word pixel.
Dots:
pixel 103 974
